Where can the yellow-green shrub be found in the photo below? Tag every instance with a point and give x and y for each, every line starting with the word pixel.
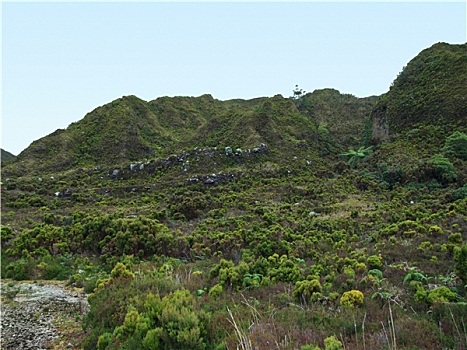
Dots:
pixel 352 298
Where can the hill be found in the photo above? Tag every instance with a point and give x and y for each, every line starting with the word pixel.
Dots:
pixel 430 90
pixel 343 115
pixel 7 156
pixel 130 129
pixel 195 223
pixel 418 121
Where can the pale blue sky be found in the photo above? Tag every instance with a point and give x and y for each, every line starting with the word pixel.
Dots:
pixel 62 60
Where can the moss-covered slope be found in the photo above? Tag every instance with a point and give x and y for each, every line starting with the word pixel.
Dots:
pixel 343 115
pixel 431 89
pixel 7 156
pixel 130 129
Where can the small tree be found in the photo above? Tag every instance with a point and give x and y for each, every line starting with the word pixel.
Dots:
pixel 456 145
pixel 443 170
pixel 297 93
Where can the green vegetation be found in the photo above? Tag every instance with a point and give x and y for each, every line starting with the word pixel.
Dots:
pixel 352 298
pixel 6 156
pixel 456 145
pixel 237 224
pixel 429 90
pixel 356 156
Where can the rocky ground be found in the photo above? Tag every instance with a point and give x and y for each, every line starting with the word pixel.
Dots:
pixel 41 315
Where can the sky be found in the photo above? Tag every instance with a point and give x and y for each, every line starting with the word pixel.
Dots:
pixel 61 60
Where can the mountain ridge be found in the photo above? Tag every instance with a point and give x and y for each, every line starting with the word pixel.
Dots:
pixel 131 129
pixel 7 156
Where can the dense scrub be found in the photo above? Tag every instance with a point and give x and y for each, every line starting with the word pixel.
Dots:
pixel 265 226
pixel 268 256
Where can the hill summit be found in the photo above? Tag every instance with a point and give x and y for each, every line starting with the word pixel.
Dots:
pixel 130 129
pixel 431 89
pixel 7 156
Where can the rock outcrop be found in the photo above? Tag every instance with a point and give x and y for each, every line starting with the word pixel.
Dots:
pixel 31 311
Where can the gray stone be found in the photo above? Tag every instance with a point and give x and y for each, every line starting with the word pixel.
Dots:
pixel 28 319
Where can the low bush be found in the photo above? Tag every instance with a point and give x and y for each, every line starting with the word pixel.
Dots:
pixel 352 298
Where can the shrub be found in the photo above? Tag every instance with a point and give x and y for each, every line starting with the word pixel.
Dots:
pixel 455 238
pixel 215 291
pixel 332 343
pixel 374 262
pixel 173 321
pixel 442 169
pixel 181 327
pixel 104 341
pixel 349 272
pixel 89 284
pixel 419 291
pixel 310 347
pixel 441 295
pixel 36 201
pixel 460 261
pixel 134 326
pixel 21 269
pixel 55 267
pixel 286 269
pixel 152 339
pixel 121 271
pixel 230 275
pixel 304 290
pixel 456 145
pixel 420 295
pixel 391 175
pixel 460 193
pixel 352 298
pixel 6 233
pixel 360 267
pixel 333 296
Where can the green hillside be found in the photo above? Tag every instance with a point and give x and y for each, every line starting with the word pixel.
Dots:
pixel 343 115
pixel 130 129
pixel 271 223
pixel 431 89
pixel 7 156
pixel 422 118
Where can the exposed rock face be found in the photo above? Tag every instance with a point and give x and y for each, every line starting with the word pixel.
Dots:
pixel 30 312
pixel 380 129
